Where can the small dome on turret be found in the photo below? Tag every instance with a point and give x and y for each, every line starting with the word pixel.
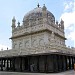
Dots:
pixel 13 23
pixel 44 7
pixel 14 19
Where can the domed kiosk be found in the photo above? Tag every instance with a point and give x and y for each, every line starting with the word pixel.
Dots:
pixel 38 45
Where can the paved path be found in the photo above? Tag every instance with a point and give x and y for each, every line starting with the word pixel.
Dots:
pixel 19 73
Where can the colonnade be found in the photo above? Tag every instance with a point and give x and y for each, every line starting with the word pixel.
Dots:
pixel 60 63
pixel 63 63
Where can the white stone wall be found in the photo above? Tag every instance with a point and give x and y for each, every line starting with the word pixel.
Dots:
pixel 34 40
pixel 29 29
pixel 59 40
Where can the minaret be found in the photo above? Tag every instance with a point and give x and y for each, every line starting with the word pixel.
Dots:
pixel 62 24
pixel 13 23
pixel 57 24
pixel 44 12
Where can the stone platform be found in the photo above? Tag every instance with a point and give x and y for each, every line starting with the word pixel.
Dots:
pixel 71 72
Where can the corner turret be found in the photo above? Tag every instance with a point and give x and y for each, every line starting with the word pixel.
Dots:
pixel 44 9
pixel 62 24
pixel 13 23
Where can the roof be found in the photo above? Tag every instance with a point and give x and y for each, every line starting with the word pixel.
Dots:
pixel 41 50
pixel 37 12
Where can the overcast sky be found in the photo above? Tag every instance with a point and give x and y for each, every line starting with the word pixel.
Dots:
pixel 64 9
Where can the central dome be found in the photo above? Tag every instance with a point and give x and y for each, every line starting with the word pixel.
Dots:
pixel 38 12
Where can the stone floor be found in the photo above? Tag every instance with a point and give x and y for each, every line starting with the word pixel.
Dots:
pixel 71 72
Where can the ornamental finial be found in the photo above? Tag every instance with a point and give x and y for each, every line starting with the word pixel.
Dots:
pixel 44 4
pixel 44 7
pixel 38 5
pixel 18 24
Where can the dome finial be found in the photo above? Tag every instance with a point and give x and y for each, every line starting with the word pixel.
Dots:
pixel 44 7
pixel 43 4
pixel 13 23
pixel 13 18
pixel 38 5
pixel 18 24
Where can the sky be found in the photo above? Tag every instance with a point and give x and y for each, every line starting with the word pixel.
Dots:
pixel 64 9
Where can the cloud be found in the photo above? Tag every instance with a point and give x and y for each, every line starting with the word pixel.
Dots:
pixel 71 28
pixel 68 16
pixel 69 5
pixel 71 35
pixel 4 47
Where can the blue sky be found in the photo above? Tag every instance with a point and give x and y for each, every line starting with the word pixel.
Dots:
pixel 64 9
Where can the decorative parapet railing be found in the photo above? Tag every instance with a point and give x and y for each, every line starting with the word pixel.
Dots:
pixel 37 50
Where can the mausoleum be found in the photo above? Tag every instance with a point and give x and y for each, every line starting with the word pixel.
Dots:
pixel 38 45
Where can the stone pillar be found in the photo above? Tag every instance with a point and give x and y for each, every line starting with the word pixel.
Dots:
pixel 72 62
pixel 4 62
pixel 74 59
pixel 7 65
pixel 55 62
pixel 64 63
pixel 69 62
pixel 10 64
pixel 21 64
pixel 38 63
pixel 1 64
pixel 29 63
pixel 62 59
pixel 13 64
pixel 59 63
pixel 46 63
